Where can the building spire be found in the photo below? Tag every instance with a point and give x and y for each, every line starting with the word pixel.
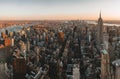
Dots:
pixel 100 14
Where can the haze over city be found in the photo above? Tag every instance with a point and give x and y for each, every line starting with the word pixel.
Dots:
pixel 59 9
pixel 59 39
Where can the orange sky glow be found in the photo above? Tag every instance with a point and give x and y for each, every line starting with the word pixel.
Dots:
pixel 60 17
pixel 59 9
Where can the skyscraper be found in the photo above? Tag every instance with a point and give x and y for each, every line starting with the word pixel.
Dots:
pixel 6 32
pixel 100 30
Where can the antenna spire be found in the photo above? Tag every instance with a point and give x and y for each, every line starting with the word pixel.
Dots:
pixel 100 13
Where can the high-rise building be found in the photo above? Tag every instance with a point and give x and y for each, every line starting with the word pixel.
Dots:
pixel 19 68
pixel 7 42
pixel 100 30
pixel 6 32
pixel 105 41
pixel 3 35
pixel 12 42
pixel 28 45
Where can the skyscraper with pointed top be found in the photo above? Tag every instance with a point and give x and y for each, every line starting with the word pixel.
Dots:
pixel 100 21
pixel 100 29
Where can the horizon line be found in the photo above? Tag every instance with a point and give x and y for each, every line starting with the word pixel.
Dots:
pixel 56 19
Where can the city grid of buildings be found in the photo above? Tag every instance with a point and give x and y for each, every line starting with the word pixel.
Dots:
pixel 70 49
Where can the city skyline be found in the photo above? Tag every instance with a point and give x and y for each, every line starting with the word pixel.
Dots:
pixel 59 9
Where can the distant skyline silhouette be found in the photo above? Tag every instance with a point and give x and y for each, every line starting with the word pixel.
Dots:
pixel 59 9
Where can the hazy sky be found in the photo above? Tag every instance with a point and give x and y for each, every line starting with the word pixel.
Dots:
pixel 59 9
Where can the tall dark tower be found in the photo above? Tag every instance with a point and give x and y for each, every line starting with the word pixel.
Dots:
pixel 6 32
pixel 100 29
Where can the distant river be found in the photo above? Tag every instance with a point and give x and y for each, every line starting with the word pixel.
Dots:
pixel 16 28
pixel 106 24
